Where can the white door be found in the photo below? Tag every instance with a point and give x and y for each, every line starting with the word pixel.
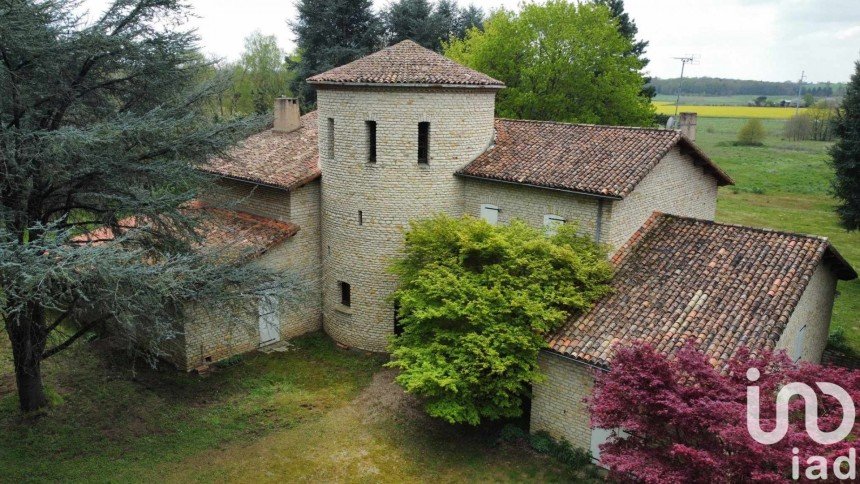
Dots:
pixel 490 213
pixel 270 323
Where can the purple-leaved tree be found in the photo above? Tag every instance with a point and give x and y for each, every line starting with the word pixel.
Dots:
pixel 687 421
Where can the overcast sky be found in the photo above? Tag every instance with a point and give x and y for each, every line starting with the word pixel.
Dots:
pixel 748 39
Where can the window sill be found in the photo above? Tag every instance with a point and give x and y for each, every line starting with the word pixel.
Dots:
pixel 343 309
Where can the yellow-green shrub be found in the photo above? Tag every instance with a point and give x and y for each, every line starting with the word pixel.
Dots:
pixel 475 303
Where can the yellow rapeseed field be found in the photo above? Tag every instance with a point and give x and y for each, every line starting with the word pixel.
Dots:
pixel 727 111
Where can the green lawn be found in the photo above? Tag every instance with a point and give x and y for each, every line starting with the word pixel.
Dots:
pixel 315 413
pixel 784 185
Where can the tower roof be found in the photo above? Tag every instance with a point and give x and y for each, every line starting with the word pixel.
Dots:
pixel 405 64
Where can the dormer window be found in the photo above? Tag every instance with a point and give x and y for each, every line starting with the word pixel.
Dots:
pixel 370 128
pixel 423 143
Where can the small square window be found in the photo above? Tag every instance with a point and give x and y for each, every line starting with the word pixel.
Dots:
pixel 424 143
pixel 490 213
pixel 370 127
pixel 551 223
pixel 345 294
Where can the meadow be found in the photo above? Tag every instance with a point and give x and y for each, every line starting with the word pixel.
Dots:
pixel 784 185
pixel 734 100
pixel 715 111
pixel 315 413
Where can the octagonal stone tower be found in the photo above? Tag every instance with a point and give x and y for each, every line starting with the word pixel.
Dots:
pixel 393 128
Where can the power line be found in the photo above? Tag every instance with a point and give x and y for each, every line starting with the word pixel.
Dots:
pixel 799 87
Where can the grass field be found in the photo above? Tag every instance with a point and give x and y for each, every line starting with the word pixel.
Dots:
pixel 312 414
pixel 784 185
pixel 727 111
pixel 738 100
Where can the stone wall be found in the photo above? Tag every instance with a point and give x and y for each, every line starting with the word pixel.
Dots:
pixel 675 186
pixel 531 204
pixel 389 193
pixel 254 199
pixel 812 316
pixel 212 335
pixel 557 403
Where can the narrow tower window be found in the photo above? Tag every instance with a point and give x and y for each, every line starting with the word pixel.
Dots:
pixel 423 143
pixel 330 143
pixel 345 294
pixel 360 217
pixel 370 127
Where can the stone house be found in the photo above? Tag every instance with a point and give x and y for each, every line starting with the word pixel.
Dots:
pixel 405 133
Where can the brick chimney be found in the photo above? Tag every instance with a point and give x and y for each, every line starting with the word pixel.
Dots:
pixel 287 115
pixel 687 125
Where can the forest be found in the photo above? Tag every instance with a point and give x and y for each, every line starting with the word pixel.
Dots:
pixel 715 86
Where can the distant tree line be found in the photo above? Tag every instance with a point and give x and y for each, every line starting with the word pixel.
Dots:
pixel 528 50
pixel 715 86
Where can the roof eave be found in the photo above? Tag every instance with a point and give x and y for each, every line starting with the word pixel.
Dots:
pixel 841 268
pixel 542 187
pixel 723 178
pixel 292 187
pixel 407 85
pixel 597 366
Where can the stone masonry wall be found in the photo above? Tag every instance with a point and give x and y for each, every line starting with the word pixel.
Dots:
pixel 812 311
pixel 675 186
pixel 389 193
pixel 531 204
pixel 254 199
pixel 557 403
pixel 214 335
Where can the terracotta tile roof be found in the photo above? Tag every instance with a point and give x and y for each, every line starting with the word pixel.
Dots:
pixel 720 286
pixel 599 160
pixel 282 160
pixel 238 233
pixel 244 232
pixel 405 63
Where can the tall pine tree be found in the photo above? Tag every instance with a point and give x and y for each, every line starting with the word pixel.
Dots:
pixel 427 24
pixel 102 121
pixel 330 33
pixel 628 29
pixel 846 155
pixel 413 20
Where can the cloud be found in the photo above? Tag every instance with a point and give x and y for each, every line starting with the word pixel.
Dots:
pixel 848 33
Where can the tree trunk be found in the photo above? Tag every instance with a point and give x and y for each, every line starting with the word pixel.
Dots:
pixel 27 332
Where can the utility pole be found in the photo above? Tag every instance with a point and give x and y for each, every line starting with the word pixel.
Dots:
pixel 799 87
pixel 684 61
